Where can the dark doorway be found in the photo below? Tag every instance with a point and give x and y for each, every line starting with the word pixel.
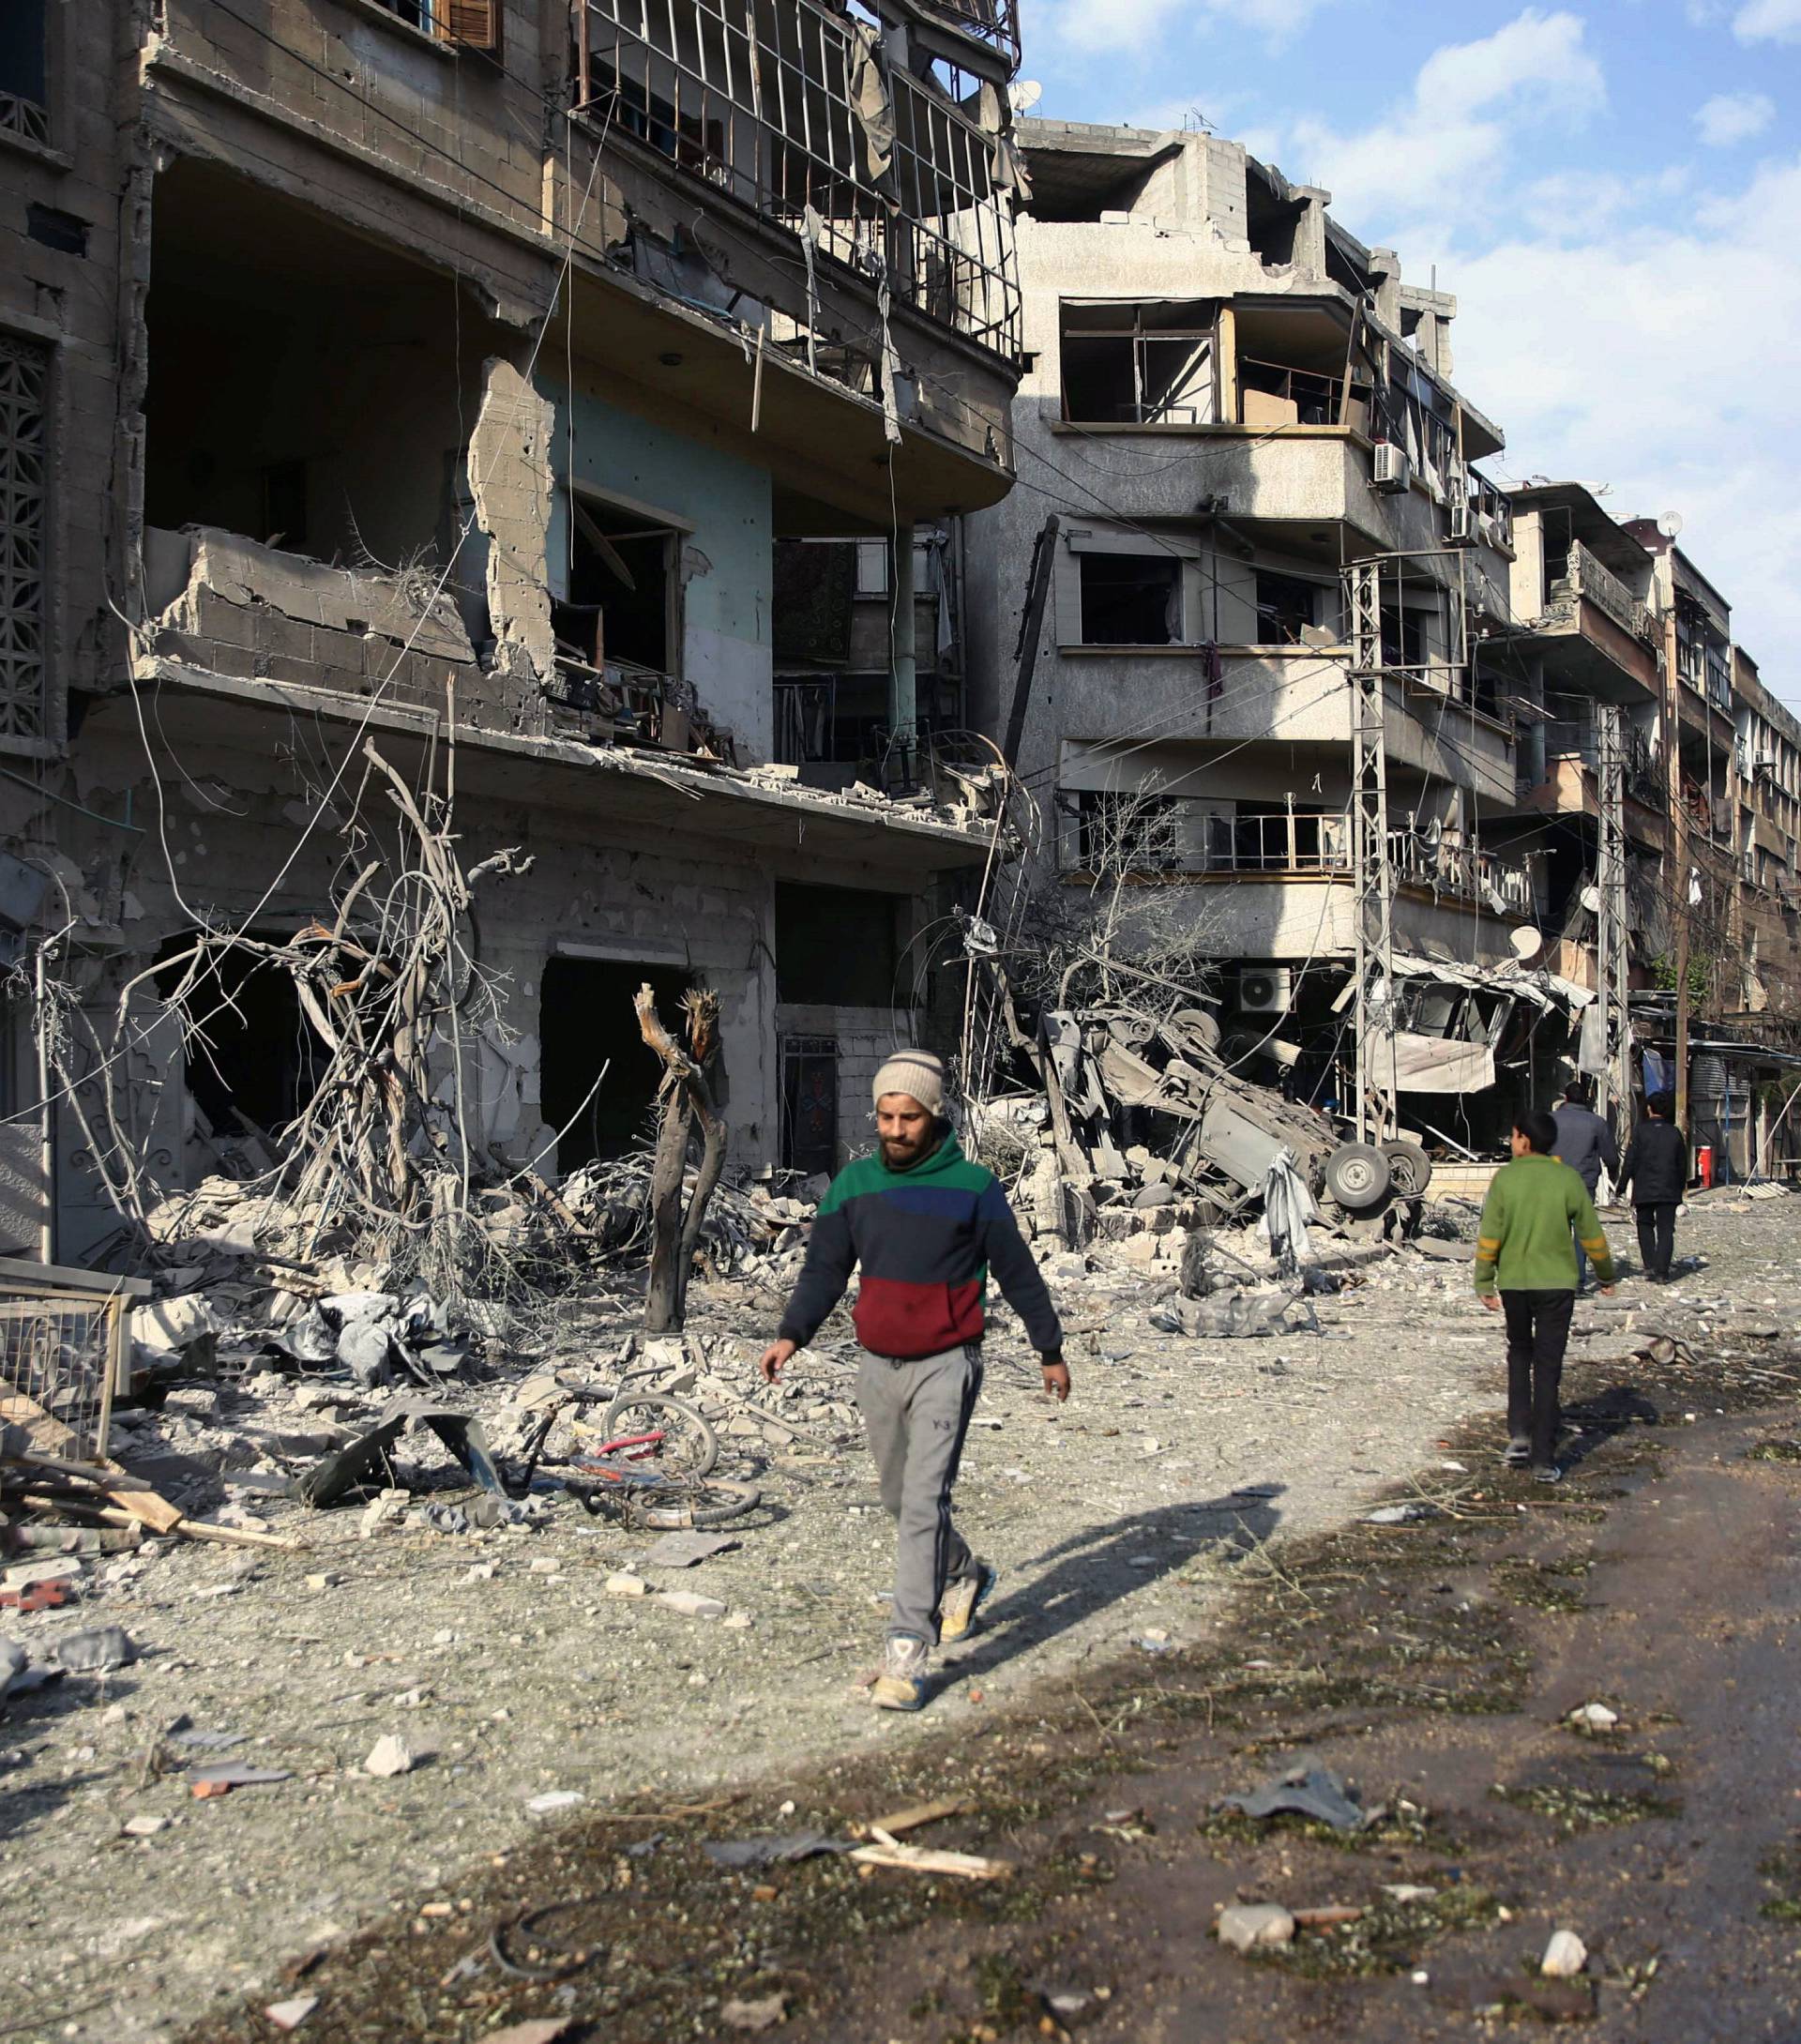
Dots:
pixel 587 1021
pixel 809 1104
pixel 254 1059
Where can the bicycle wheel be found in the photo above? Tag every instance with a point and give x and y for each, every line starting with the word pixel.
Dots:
pixel 715 1503
pixel 686 1446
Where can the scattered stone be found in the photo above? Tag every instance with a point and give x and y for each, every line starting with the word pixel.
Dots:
pixel 624 1584
pixel 684 1549
pixel 1246 1926
pixel 762 2014
pixel 390 1755
pixel 552 1799
pixel 737 1621
pixel 1596 1717
pixel 290 2015
pixel 691 1604
pixel 96 1651
pixel 143 1827
pixel 385 1509
pixel 1564 1956
pixel 545 1565
pixel 329 1579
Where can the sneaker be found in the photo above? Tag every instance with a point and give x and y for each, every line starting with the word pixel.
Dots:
pixel 1518 1452
pixel 902 1683
pixel 964 1599
pixel 1548 1473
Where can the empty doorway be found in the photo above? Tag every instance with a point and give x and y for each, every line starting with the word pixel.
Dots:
pixel 587 1023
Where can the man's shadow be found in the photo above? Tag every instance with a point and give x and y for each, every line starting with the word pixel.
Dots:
pixel 1602 1417
pixel 1100 1565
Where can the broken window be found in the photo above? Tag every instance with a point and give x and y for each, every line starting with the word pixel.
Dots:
pixel 1130 599
pixel 835 947
pixel 1273 394
pixel 1149 364
pixel 1286 606
pixel 622 604
pixel 1403 637
pixel 254 1060
pixel 24 80
pixel 25 388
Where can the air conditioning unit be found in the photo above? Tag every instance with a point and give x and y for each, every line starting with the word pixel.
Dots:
pixel 1265 989
pixel 1394 472
pixel 1461 527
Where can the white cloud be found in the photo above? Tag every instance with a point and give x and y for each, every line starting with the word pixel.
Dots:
pixel 1731 117
pixel 1437 154
pixel 1134 24
pixel 1768 20
pixel 1587 354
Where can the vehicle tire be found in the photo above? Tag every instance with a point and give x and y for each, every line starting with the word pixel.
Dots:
pixel 713 1504
pixel 690 1448
pixel 1356 1175
pixel 1410 1170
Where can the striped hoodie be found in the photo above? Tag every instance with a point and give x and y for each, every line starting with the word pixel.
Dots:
pixel 925 1240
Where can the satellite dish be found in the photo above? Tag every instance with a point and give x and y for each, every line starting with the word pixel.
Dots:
pixel 1670 524
pixel 1527 943
pixel 1024 93
pixel 1591 899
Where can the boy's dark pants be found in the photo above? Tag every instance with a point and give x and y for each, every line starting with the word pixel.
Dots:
pixel 1537 1335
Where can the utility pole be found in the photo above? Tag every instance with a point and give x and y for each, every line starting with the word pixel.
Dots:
pixel 1610 949
pixel 1679 846
pixel 1373 865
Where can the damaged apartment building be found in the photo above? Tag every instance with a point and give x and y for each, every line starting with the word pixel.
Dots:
pixel 1250 477
pixel 409 395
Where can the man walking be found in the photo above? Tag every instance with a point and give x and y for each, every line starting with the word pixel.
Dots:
pixel 1655 1166
pixel 926 1226
pixel 1585 1143
pixel 1525 1253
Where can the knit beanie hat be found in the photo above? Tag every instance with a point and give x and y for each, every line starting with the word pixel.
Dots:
pixel 917 1073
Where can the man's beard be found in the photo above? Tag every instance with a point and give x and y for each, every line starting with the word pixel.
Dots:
pixel 903 1152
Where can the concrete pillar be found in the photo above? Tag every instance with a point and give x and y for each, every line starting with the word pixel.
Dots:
pixel 903 674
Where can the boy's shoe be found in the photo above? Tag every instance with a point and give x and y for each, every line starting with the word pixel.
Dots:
pixel 1548 1473
pixel 902 1683
pixel 1518 1452
pixel 963 1600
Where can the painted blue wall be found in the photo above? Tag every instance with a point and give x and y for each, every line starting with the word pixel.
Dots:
pixel 726 562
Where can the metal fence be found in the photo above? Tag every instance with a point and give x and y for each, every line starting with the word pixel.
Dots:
pixel 59 1356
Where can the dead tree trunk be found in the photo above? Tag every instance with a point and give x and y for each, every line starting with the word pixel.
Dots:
pixel 687 1096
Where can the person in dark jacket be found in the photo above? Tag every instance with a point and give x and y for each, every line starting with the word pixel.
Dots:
pixel 1655 1166
pixel 926 1226
pixel 1585 1143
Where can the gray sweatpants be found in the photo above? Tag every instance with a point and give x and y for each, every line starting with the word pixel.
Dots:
pixel 917 1414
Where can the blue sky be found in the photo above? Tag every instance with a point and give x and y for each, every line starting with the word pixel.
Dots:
pixel 1613 192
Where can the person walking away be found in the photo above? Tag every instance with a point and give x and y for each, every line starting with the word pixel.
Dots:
pixel 1655 1166
pixel 1526 1268
pixel 924 1226
pixel 1585 1143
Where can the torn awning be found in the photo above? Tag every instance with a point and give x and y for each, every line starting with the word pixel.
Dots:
pixel 1431 1064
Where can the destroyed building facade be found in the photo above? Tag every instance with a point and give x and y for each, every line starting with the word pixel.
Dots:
pixel 450 378
pixel 1233 401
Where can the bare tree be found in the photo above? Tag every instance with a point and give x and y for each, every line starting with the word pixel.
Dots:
pixel 687 1097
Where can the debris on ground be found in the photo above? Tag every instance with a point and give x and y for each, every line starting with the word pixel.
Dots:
pixel 1247 1927
pixel 1564 1956
pixel 1304 1792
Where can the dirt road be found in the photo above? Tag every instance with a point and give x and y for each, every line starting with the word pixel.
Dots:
pixel 1429 1662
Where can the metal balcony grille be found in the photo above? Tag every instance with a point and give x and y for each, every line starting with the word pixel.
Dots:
pixel 24 381
pixel 787 108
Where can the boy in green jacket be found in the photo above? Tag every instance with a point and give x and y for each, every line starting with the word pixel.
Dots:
pixel 1536 1212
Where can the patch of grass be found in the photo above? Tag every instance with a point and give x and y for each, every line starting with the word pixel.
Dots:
pixel 1573 1810
pixel 1781 1871
pixel 1403 1824
pixel 1774 1451
pixel 1389 1938
pixel 1542 1585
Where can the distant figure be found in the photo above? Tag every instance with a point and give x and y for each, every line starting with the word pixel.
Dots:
pixel 1585 1143
pixel 1525 1266
pixel 1655 1166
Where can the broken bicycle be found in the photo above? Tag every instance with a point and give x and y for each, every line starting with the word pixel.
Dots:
pixel 648 1462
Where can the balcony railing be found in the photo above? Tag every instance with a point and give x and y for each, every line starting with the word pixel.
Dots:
pixel 794 112
pixel 1455 869
pixel 1585 575
pixel 1278 845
